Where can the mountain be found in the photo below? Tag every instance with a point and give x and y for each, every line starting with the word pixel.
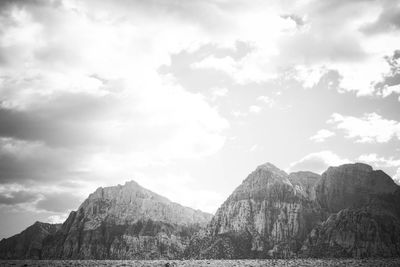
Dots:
pixel 265 216
pixel 119 222
pixel 365 215
pixel 125 222
pixel 349 211
pixel 28 243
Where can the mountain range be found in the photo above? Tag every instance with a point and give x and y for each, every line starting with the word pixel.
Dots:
pixel 348 211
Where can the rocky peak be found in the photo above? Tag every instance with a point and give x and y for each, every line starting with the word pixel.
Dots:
pixel 126 193
pixel 131 202
pixel 258 183
pixel 269 167
pixel 351 185
pixel 265 215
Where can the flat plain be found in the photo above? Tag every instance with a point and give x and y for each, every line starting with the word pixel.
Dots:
pixel 207 263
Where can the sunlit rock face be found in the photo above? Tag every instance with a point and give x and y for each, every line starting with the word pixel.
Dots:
pixel 125 222
pixel 28 243
pixel 365 215
pixel 265 216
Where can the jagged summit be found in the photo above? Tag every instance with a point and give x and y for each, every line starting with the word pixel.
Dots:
pixel 126 193
pixel 272 168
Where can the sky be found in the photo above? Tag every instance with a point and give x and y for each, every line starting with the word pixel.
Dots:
pixel 187 97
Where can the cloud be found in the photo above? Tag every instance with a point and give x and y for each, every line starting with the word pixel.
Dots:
pixel 391 165
pixel 59 202
pixel 379 162
pixel 16 197
pixel 75 113
pixel 255 109
pixel 390 82
pixel 218 92
pixel 322 135
pixel 387 21
pixel 370 128
pixel 267 100
pixel 396 177
pixel 317 162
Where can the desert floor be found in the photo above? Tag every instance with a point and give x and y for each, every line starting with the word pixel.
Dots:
pixel 208 263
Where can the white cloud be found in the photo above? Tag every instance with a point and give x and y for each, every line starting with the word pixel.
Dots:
pixel 370 128
pixel 390 165
pixel 267 100
pixel 217 92
pixel 317 162
pixel 379 162
pixel 178 187
pixel 388 90
pixel 309 76
pixel 396 177
pixel 322 135
pixel 255 109
pixel 238 113
pixel 253 148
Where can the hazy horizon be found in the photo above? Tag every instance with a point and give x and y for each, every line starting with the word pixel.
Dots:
pixel 188 97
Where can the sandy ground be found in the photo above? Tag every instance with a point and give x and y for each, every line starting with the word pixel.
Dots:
pixel 209 263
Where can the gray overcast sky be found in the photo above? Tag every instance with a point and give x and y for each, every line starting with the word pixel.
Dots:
pixel 188 97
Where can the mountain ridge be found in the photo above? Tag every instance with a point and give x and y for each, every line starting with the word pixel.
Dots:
pixel 348 211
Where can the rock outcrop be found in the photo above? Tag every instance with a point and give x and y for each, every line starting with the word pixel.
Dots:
pixel 125 222
pixel 351 185
pixel 28 243
pixel 265 216
pixel 365 215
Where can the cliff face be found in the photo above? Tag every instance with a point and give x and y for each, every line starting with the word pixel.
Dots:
pixel 355 233
pixel 351 185
pixel 28 243
pixel 365 219
pixel 125 222
pixel 265 216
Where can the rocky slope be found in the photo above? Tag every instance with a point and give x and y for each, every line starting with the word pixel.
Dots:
pixel 28 243
pixel 265 216
pixel 125 222
pixel 365 215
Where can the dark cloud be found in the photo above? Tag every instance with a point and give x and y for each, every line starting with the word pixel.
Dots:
pixel 41 164
pixel 17 197
pixel 64 120
pixel 297 19
pixel 7 3
pixel 388 20
pixel 59 202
